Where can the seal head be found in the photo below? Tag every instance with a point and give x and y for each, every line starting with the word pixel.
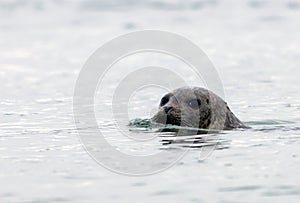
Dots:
pixel 197 108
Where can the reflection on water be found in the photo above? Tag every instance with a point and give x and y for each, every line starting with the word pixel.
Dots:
pixel 176 135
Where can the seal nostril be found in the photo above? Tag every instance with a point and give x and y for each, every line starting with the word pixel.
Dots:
pixel 167 108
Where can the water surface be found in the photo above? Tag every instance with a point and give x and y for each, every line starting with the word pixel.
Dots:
pixel 255 48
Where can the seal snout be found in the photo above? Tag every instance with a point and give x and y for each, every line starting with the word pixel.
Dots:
pixel 169 111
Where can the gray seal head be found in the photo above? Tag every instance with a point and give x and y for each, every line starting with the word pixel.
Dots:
pixel 197 108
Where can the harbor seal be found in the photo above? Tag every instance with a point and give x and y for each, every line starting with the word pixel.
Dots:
pixel 196 108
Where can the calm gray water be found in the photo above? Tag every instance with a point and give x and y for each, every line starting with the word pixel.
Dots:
pixel 255 47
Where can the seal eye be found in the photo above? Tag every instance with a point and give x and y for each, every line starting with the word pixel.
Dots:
pixel 194 103
pixel 164 100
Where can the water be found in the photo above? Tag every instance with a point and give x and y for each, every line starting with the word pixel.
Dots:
pixel 255 48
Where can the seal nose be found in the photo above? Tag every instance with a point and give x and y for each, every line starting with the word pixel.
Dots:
pixel 167 108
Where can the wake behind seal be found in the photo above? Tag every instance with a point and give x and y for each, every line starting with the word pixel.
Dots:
pixel 196 107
